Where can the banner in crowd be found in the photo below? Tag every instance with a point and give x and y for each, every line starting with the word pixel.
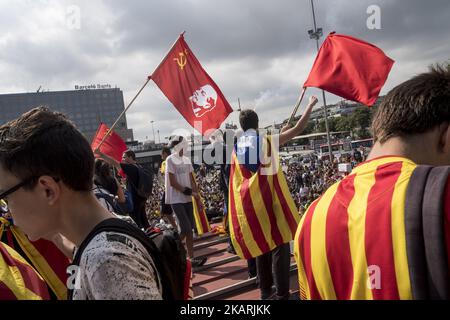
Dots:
pixel 43 255
pixel 113 146
pixel 201 219
pixel 190 89
pixel 262 213
pixel 350 68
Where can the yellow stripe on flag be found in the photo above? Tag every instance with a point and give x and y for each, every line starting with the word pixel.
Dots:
pixel 398 232
pixel 201 229
pixel 236 245
pixel 373 164
pixel 240 214
pixel 302 281
pixel 319 260
pixel 201 220
pixel 41 264
pixel 260 209
pixel 12 278
pixel 288 198
pixel 279 214
pixel 357 230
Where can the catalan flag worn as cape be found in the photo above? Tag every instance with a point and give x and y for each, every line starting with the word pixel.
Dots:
pixel 18 280
pixel 43 255
pixel 201 220
pixel 354 241
pixel 262 213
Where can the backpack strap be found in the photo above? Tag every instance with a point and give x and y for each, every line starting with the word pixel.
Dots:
pixel 415 247
pixel 425 236
pixel 119 226
pixel 434 233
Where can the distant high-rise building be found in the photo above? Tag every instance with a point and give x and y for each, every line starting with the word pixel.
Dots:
pixel 85 108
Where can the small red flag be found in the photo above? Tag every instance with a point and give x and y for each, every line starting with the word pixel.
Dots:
pixel 350 68
pixel 113 146
pixel 191 90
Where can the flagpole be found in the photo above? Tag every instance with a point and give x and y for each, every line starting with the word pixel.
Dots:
pixel 297 106
pixel 123 112
pixel 316 34
pixel 139 92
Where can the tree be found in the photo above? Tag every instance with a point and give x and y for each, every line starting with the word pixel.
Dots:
pixel 309 128
pixel 331 125
pixel 343 124
pixel 361 117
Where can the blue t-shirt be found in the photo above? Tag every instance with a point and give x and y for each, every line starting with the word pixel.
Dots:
pixel 248 150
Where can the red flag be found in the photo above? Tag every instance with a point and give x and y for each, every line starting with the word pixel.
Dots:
pixel 350 68
pixel 191 90
pixel 113 146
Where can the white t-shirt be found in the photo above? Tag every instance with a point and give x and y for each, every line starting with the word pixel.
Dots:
pixel 115 266
pixel 182 168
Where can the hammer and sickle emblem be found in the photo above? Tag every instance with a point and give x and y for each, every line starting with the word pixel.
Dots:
pixel 182 60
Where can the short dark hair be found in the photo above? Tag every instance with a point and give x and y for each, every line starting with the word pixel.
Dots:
pixel 43 142
pixel 130 153
pixel 166 150
pixel 102 169
pixel 415 106
pixel 248 119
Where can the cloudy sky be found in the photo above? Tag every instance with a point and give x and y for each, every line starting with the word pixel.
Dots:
pixel 255 50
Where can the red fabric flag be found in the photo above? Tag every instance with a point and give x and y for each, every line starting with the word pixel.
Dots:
pixel 191 90
pixel 113 146
pixel 350 68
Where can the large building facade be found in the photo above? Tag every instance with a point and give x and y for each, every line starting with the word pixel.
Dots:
pixel 85 108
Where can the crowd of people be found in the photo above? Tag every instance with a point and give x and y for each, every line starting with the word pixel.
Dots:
pixel 208 179
pixel 307 177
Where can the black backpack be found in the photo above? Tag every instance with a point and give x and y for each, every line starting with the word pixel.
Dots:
pixel 164 246
pixel 145 182
pixel 425 233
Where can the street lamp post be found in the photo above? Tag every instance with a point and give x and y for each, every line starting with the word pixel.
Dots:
pixel 153 129
pixel 159 138
pixel 316 34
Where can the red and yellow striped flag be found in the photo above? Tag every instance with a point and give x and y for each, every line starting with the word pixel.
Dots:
pixel 45 257
pixel 262 213
pixel 18 280
pixel 201 219
pixel 350 243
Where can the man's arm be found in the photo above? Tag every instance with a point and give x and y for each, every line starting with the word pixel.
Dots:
pixel 120 192
pixel 111 161
pixel 174 183
pixel 287 133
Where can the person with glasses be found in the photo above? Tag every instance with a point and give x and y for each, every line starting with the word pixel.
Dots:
pixel 46 180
